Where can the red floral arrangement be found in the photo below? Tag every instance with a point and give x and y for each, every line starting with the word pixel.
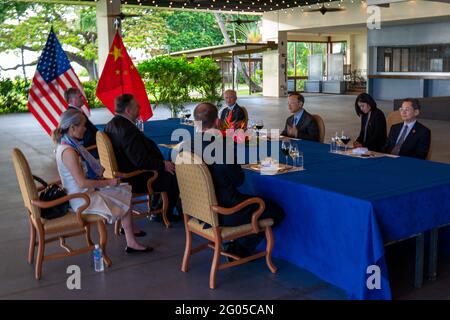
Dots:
pixel 236 129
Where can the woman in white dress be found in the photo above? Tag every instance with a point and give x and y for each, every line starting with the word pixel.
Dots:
pixel 81 172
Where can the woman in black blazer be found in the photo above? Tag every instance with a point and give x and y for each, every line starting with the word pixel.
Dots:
pixel 373 124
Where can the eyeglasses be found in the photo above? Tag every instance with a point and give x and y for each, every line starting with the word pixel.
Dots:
pixel 406 109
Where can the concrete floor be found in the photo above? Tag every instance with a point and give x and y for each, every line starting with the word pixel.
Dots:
pixel 156 275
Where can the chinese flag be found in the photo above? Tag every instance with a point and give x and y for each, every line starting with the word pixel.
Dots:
pixel 119 76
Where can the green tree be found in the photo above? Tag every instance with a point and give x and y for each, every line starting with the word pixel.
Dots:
pixel 167 80
pixel 75 27
pixel 207 79
pixel 191 30
pixel 14 11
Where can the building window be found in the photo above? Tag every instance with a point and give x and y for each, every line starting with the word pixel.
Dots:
pixel 429 58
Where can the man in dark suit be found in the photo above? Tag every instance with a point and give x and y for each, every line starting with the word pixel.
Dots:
pixel 74 98
pixel 134 151
pixel 227 177
pixel 410 138
pixel 237 113
pixel 301 124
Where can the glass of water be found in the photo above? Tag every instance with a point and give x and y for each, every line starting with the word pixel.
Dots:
pixel 333 145
pixel 140 124
pixel 300 160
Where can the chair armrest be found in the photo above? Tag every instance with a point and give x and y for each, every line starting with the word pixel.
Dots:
pixel 150 181
pixel 90 148
pixel 123 175
pixel 243 204
pixel 48 204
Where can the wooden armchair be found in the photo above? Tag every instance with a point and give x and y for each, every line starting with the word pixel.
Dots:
pixel 321 126
pixel 70 225
pixel 108 161
pixel 90 148
pixel 200 207
pixel 392 118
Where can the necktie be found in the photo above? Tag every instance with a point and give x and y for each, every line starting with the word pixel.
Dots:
pixel 400 141
pixel 296 120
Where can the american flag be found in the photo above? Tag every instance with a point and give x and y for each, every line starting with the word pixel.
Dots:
pixel 54 75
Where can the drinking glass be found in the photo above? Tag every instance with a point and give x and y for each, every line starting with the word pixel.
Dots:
pixel 187 115
pixel 182 116
pixel 345 139
pixel 140 124
pixel 285 146
pixel 333 145
pixel 294 153
pixel 300 160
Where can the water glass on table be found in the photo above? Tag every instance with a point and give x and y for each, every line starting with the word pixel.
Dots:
pixel 140 124
pixel 333 145
pixel 300 160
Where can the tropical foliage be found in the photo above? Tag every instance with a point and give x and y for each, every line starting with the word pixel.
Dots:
pixel 14 95
pixel 173 80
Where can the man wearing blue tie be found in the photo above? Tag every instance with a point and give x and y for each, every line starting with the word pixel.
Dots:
pixel 300 124
pixel 410 138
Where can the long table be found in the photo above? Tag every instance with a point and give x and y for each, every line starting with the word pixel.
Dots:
pixel 341 211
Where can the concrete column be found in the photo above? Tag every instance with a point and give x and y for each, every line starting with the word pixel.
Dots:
pixel 351 58
pixel 275 69
pixel 105 28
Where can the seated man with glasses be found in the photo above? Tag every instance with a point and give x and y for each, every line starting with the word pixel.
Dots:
pixel 300 124
pixel 410 138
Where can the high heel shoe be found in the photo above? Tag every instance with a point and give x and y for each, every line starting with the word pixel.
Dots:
pixel 132 250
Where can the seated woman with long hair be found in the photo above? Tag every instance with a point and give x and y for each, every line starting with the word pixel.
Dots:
pixel 81 172
pixel 373 124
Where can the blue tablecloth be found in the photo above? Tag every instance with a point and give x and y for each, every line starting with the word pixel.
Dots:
pixel 341 210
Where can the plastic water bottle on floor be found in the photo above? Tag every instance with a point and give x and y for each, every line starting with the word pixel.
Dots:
pixel 98 259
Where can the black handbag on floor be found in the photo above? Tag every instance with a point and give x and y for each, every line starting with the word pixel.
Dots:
pixel 50 193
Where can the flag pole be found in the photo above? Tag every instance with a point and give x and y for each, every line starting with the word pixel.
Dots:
pixel 118 24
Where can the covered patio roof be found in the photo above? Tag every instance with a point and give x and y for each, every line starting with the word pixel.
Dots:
pixel 248 6
pixel 227 50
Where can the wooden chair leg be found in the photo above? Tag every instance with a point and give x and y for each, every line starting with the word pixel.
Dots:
pixel 215 263
pixel 165 201
pixel 103 238
pixel 87 229
pixel 187 249
pixel 40 254
pixel 117 227
pixel 269 248
pixel 32 243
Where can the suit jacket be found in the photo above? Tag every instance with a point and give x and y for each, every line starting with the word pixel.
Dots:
pixel 133 150
pixel 416 144
pixel 226 178
pixel 91 131
pixel 306 126
pixel 376 131
pixel 237 114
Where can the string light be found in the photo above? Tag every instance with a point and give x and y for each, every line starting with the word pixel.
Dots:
pixel 245 6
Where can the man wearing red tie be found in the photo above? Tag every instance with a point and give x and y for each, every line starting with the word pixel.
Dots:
pixel 410 138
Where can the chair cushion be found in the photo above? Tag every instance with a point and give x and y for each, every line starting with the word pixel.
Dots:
pixel 68 222
pixel 197 225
